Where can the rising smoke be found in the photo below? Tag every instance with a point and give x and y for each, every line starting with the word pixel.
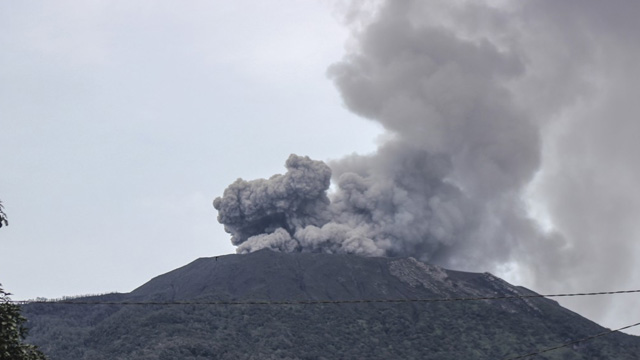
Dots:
pixel 484 106
pixel 445 189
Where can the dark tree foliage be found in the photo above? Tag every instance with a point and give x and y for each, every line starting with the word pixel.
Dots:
pixel 12 329
pixel 13 332
pixel 3 216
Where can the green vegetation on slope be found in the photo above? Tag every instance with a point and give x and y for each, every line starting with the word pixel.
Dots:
pixel 443 330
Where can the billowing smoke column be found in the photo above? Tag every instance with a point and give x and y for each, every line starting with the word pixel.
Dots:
pixel 267 213
pixel 368 215
pixel 444 189
pixel 486 107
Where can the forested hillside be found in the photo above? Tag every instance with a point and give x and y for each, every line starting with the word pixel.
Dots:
pixel 485 329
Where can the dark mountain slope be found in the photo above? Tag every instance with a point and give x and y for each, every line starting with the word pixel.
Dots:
pixel 441 330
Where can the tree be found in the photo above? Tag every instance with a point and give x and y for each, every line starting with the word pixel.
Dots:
pixel 12 329
pixel 3 216
pixel 13 332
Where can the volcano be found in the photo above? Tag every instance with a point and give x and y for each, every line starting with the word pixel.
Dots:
pixel 272 305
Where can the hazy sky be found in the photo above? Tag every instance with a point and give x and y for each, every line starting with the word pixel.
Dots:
pixel 121 121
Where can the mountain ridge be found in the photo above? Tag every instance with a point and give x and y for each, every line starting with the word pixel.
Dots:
pixel 482 329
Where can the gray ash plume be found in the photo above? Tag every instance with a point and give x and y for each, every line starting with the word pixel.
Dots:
pixel 444 189
pixel 265 213
pixel 484 103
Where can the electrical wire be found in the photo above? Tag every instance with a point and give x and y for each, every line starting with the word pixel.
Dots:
pixel 356 301
pixel 313 302
pixel 572 342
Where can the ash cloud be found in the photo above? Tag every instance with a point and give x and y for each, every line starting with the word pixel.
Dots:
pixel 267 211
pixel 488 109
pixel 460 154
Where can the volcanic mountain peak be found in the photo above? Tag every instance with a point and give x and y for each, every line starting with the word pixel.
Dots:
pixel 470 329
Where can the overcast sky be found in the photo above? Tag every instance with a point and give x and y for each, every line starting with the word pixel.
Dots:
pixel 121 121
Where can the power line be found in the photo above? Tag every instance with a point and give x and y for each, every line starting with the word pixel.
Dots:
pixel 571 343
pixel 315 302
pixel 359 301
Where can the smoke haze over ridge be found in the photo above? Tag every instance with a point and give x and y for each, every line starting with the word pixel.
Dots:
pixel 489 110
